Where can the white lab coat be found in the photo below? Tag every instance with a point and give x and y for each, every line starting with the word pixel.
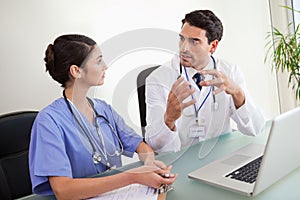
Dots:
pixel 213 122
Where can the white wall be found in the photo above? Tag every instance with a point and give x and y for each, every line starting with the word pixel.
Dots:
pixel 27 27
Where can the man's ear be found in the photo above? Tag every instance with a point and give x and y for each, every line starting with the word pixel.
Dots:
pixel 75 71
pixel 214 45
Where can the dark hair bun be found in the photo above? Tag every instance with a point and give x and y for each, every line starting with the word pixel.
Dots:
pixel 67 50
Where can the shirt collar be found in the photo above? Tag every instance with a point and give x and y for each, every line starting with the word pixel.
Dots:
pixel 191 71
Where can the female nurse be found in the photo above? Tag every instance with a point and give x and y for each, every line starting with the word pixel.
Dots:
pixel 76 137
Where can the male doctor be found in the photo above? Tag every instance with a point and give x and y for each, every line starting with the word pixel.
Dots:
pixel 192 97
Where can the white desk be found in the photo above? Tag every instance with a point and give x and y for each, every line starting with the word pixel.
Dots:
pixel 187 161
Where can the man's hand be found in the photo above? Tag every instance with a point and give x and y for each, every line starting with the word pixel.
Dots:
pixel 179 92
pixel 223 83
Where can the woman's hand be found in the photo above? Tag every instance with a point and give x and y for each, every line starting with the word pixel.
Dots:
pixel 153 176
pixel 151 173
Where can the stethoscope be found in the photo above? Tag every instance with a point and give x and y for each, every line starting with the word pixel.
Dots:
pixel 215 104
pixel 96 155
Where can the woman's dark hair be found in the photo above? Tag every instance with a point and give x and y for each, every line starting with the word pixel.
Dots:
pixel 67 50
pixel 207 20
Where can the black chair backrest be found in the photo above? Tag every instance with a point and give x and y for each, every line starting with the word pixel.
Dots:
pixel 15 130
pixel 141 95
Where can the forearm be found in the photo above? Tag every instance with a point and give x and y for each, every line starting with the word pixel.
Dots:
pixel 82 188
pixel 249 118
pixel 161 138
pixel 159 135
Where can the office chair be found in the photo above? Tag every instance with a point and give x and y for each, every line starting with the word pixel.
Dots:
pixel 15 130
pixel 141 95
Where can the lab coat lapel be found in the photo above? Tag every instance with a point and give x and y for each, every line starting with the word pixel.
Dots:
pixel 190 110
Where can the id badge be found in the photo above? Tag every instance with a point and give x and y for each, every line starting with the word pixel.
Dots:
pixel 197 131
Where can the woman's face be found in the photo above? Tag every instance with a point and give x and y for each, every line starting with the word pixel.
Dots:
pixel 94 70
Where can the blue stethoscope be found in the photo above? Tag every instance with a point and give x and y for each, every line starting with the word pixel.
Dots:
pixel 96 155
pixel 215 104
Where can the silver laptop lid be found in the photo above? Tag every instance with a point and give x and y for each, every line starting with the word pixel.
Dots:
pixel 282 150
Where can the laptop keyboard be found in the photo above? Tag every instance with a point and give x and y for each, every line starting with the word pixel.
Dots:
pixel 248 172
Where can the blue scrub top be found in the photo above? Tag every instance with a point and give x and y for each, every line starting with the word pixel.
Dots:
pixel 58 147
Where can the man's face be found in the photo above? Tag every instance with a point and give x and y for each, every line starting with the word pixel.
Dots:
pixel 194 48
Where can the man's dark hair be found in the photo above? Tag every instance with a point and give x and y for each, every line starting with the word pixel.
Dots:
pixel 206 20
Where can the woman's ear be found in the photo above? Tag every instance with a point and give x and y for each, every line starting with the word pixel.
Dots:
pixel 75 71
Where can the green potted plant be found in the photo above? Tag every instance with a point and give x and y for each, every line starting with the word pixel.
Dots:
pixel 284 51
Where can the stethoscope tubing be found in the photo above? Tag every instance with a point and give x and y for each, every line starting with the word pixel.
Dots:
pixel 95 152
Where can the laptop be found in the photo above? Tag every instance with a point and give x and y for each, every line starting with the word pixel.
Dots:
pixel 272 161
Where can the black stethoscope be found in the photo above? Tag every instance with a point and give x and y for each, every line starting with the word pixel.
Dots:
pixel 96 155
pixel 215 104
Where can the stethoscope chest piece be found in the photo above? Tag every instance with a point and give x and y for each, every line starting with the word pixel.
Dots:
pixel 96 157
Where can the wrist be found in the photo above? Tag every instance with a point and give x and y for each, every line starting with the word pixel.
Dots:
pixel 149 160
pixel 239 98
pixel 130 177
pixel 169 123
pixel 133 176
pixel 145 152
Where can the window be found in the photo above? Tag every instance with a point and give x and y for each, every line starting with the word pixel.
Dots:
pixel 296 6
